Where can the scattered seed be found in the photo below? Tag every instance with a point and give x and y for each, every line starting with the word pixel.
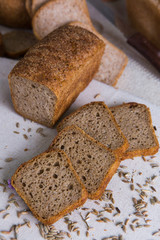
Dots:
pixel 153 188
pixel 126 221
pixel 87 234
pixel 29 130
pixel 8 207
pixel 97 95
pixel 25 136
pixel 5 232
pixel 2 211
pixel 15 132
pixel 132 227
pixel 11 195
pixel 124 228
pixel 6 215
pixel 17 124
pixel 26 149
pixel 132 187
pixel 8 159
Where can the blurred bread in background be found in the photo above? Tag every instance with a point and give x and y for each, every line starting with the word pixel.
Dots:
pixel 145 17
pixel 13 13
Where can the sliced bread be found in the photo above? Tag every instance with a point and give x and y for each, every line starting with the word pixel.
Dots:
pixel 94 163
pixel 13 13
pixel 17 43
pixel 50 186
pixel 56 13
pixel 113 61
pixel 135 121
pixel 97 121
pixel 36 4
pixel 53 73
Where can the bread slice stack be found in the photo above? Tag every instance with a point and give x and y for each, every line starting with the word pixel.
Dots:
pixel 94 163
pixel 76 165
pixel 133 119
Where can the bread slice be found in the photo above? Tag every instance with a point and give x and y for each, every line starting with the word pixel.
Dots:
pixel 94 163
pixel 53 73
pixel 13 13
pixel 113 61
pixel 97 121
pixel 56 13
pixel 17 43
pixel 36 4
pixel 50 186
pixel 28 4
pixel 135 121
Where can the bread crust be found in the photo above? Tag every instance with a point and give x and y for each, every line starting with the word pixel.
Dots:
pixel 112 81
pixel 13 13
pixel 141 152
pixel 111 171
pixel 119 150
pixel 68 209
pixel 71 76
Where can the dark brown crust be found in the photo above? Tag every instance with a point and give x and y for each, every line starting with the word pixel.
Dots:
pixel 119 150
pixel 55 218
pixel 66 83
pixel 139 152
pixel 111 171
pixel 13 14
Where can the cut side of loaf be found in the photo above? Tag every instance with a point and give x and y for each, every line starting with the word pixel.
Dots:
pixel 135 121
pixel 53 73
pixel 94 163
pixel 97 121
pixel 50 186
pixel 17 43
pixel 113 60
pixel 56 13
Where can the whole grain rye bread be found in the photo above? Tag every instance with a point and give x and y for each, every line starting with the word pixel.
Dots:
pixel 53 72
pixel 97 121
pixel 56 13
pixel 49 186
pixel 134 119
pixel 47 19
pixel 94 163
pixel 17 43
pixel 13 13
pixel 113 61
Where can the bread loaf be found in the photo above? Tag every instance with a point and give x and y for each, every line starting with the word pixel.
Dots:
pixel 53 72
pixel 50 186
pixel 94 163
pixel 135 122
pixel 145 17
pixel 13 13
